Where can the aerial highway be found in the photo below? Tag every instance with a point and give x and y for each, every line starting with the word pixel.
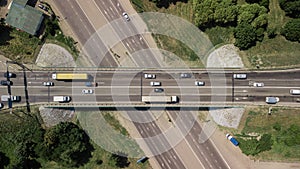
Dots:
pixel 85 19
pixel 128 87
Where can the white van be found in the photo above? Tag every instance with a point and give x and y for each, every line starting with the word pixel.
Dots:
pixel 295 91
pixel 155 83
pixel 240 76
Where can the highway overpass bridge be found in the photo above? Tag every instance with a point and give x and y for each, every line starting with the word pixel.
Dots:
pixel 125 87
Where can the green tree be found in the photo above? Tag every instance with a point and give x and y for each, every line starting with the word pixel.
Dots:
pixel 249 12
pixel 245 36
pixel 291 7
pixel 214 12
pixel 67 144
pixel 291 30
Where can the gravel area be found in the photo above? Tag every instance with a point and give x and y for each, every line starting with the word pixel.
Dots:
pixel 225 57
pixel 227 117
pixel 52 55
pixel 51 117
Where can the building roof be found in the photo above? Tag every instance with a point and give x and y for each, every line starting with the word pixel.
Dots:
pixel 24 17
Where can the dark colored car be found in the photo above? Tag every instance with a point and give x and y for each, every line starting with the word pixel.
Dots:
pixel 159 90
pixel 9 75
pixel 6 82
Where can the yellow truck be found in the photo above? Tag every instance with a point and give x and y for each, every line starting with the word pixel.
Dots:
pixel 70 76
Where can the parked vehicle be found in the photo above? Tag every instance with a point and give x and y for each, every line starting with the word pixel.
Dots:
pixel 61 99
pixel 232 140
pixel 5 98
pixel 9 75
pixel 199 83
pixel 295 91
pixel 149 76
pixel 240 76
pixel 6 82
pixel 1 105
pixel 125 15
pixel 142 159
pixel 272 100
pixel 43 7
pixel 155 84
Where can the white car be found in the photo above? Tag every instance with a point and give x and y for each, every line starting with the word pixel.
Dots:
pixel 155 84
pixel 199 83
pixel 240 76
pixel 149 76
pixel 48 83
pixel 272 100
pixel 87 91
pixel 1 105
pixel 256 84
pixel 125 15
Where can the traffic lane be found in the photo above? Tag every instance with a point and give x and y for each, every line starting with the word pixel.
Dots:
pixel 187 123
pixel 279 91
pixel 262 99
pixel 84 31
pixel 157 145
pixel 113 12
pixel 191 91
pixel 279 75
pixel 187 82
pixel 268 82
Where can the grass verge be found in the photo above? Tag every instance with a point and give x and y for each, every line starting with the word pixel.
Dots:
pixel 257 122
pixel 18 46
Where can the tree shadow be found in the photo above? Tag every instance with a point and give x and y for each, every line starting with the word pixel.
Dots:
pixel 167 3
pixel 83 157
pixel 5 35
pixel 121 159
pixel 32 2
pixel 4 160
pixel 3 3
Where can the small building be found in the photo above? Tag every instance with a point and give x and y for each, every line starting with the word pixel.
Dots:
pixel 24 17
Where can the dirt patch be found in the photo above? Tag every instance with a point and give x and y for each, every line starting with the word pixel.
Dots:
pixel 51 117
pixel 52 55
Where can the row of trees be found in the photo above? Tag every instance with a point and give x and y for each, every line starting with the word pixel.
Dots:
pixel 65 143
pixel 250 20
